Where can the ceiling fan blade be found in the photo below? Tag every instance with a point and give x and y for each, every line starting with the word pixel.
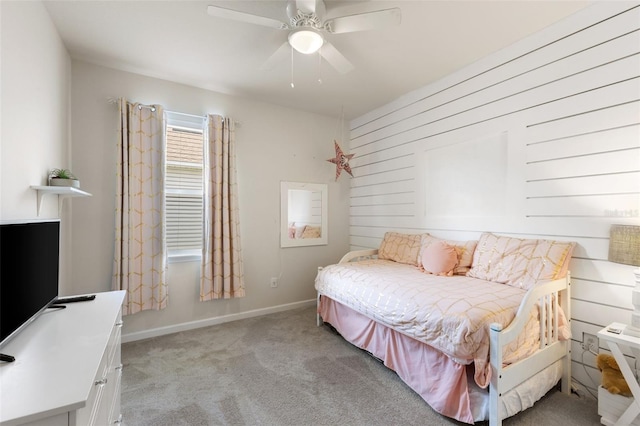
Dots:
pixel 276 57
pixel 221 12
pixel 335 58
pixel 364 21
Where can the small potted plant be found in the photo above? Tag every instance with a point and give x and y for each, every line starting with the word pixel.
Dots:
pixel 63 177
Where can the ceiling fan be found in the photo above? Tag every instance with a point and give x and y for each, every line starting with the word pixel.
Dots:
pixel 307 24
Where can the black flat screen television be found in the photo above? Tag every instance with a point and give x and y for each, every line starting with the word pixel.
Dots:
pixel 29 267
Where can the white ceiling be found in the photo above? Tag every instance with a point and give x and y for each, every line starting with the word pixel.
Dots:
pixel 179 41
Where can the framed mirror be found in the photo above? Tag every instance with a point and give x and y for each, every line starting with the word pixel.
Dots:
pixel 303 214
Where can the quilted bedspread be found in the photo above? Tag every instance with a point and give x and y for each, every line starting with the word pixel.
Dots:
pixel 451 314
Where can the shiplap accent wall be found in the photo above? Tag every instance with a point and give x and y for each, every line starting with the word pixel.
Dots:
pixel 539 140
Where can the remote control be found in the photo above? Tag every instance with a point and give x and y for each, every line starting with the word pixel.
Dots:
pixel 6 358
pixel 74 299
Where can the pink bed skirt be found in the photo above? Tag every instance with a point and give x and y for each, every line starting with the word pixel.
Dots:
pixel 441 382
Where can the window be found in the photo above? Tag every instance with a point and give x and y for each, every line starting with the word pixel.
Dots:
pixel 184 185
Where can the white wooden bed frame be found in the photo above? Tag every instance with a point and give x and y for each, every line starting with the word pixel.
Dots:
pixel 505 378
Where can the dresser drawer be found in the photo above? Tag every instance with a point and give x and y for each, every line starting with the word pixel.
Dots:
pixel 115 416
pixel 106 384
pixel 111 400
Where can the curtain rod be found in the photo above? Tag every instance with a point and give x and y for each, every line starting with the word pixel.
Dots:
pixel 113 100
pixel 151 107
pixel 236 122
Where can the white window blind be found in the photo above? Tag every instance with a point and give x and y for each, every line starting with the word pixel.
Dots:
pixel 184 184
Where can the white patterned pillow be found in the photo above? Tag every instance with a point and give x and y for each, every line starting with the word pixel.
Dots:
pixel 401 248
pixel 520 262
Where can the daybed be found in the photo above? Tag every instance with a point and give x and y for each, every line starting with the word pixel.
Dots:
pixel 455 318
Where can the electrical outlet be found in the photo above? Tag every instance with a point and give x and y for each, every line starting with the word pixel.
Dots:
pixel 274 282
pixel 590 342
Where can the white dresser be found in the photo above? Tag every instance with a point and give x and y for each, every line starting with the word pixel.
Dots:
pixel 67 369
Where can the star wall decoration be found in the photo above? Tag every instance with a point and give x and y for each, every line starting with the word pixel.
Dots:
pixel 341 161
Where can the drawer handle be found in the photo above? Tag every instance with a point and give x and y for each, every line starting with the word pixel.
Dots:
pixel 101 382
pixel 119 367
pixel 119 421
pixel 119 324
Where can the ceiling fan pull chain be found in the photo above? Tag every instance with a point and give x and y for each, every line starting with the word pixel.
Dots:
pixel 292 85
pixel 320 65
pixel 340 126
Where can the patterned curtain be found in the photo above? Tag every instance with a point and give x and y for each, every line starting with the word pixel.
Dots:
pixel 140 263
pixel 222 274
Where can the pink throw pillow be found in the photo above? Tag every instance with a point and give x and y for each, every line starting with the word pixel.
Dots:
pixel 465 251
pixel 439 258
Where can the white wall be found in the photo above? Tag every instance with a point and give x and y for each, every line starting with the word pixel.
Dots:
pixel 34 137
pixel 273 144
pixel 541 140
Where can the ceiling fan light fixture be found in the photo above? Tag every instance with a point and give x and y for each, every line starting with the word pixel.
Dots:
pixel 306 41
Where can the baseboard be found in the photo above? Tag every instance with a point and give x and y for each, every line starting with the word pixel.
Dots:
pixel 161 331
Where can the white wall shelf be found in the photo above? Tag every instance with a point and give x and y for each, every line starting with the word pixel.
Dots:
pixel 63 192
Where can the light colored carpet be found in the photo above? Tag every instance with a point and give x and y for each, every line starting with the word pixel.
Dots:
pixel 281 369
